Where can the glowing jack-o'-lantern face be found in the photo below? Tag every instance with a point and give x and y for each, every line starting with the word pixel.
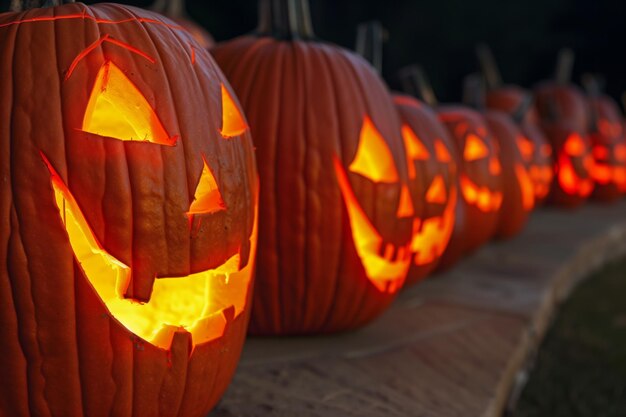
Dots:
pixel 574 166
pixel 537 155
pixel 201 302
pixel 432 183
pixel 385 264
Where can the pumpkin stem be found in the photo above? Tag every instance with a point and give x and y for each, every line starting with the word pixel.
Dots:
pixel 593 84
pixel 488 66
pixel 370 37
pixel 285 19
pixel 21 5
pixel 564 66
pixel 170 8
pixel 474 90
pixel 524 107
pixel 415 83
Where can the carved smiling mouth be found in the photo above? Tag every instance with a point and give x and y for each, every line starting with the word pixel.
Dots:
pixel 486 200
pixel 193 303
pixel 384 272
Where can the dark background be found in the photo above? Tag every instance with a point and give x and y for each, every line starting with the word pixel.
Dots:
pixel 440 34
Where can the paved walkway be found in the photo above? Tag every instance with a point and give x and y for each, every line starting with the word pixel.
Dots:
pixel 456 345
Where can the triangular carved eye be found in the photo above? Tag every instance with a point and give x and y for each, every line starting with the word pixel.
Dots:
pixel 118 110
pixel 436 193
pixel 443 155
pixel 526 147
pixel 233 123
pixel 574 145
pixel 207 198
pixel 415 149
pixel 475 148
pixel 373 158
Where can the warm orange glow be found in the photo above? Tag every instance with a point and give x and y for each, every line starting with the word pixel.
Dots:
pixel 526 148
pixel 385 273
pixel 542 178
pixel 546 150
pixel 574 145
pixel 195 303
pixel 569 181
pixel 481 197
pixel 602 173
pixel 373 158
pixel 436 193
pixel 475 148
pixel 405 207
pixel 443 155
pixel 431 237
pixel 620 152
pixel 600 152
pixel 233 123
pixel 208 198
pixel 415 149
pixel 608 129
pixel 495 168
pixel 118 110
pixel 526 187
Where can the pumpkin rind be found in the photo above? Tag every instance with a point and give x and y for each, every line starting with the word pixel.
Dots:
pixel 62 353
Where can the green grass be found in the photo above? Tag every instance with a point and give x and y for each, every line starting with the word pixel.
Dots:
pixel 581 366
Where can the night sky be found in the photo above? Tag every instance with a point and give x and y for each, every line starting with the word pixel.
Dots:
pixel 441 35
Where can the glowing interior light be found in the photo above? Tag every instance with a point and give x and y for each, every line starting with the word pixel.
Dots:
pixel 196 303
pixel 542 178
pixel 574 145
pixel 233 123
pixel 405 206
pixel 602 173
pixel 436 193
pixel 481 197
pixel 495 168
pixel 475 148
pixel 443 155
pixel 526 187
pixel 208 198
pixel 620 152
pixel 526 148
pixel 373 158
pixel 430 237
pixel 117 109
pixel 386 275
pixel 569 181
pixel 600 152
pixel 415 149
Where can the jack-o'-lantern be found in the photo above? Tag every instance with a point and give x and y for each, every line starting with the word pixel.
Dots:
pixel 480 173
pixel 518 189
pixel 129 222
pixel 565 119
pixel 608 142
pixel 518 103
pixel 335 217
pixel 431 166
pixel 432 181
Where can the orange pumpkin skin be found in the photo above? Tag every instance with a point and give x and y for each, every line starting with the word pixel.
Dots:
pixel 562 103
pixel 63 353
pixel 519 196
pixel 480 181
pixel 536 150
pixel 609 148
pixel 307 103
pixel 433 182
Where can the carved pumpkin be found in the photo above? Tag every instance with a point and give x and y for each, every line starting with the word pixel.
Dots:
pixel 128 216
pixel 432 181
pixel 480 173
pixel 430 162
pixel 335 213
pixel 561 106
pixel 519 194
pixel 608 142
pixel 518 103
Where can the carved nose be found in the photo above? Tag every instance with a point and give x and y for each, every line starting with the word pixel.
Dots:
pixel 494 166
pixel 405 206
pixel 437 191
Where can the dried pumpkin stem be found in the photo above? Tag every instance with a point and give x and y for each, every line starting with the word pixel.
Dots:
pixel 369 43
pixel 21 5
pixel 488 66
pixel 285 19
pixel 474 91
pixel 564 66
pixel 415 83
pixel 170 8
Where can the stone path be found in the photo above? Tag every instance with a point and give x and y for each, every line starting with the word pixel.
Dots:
pixel 456 345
